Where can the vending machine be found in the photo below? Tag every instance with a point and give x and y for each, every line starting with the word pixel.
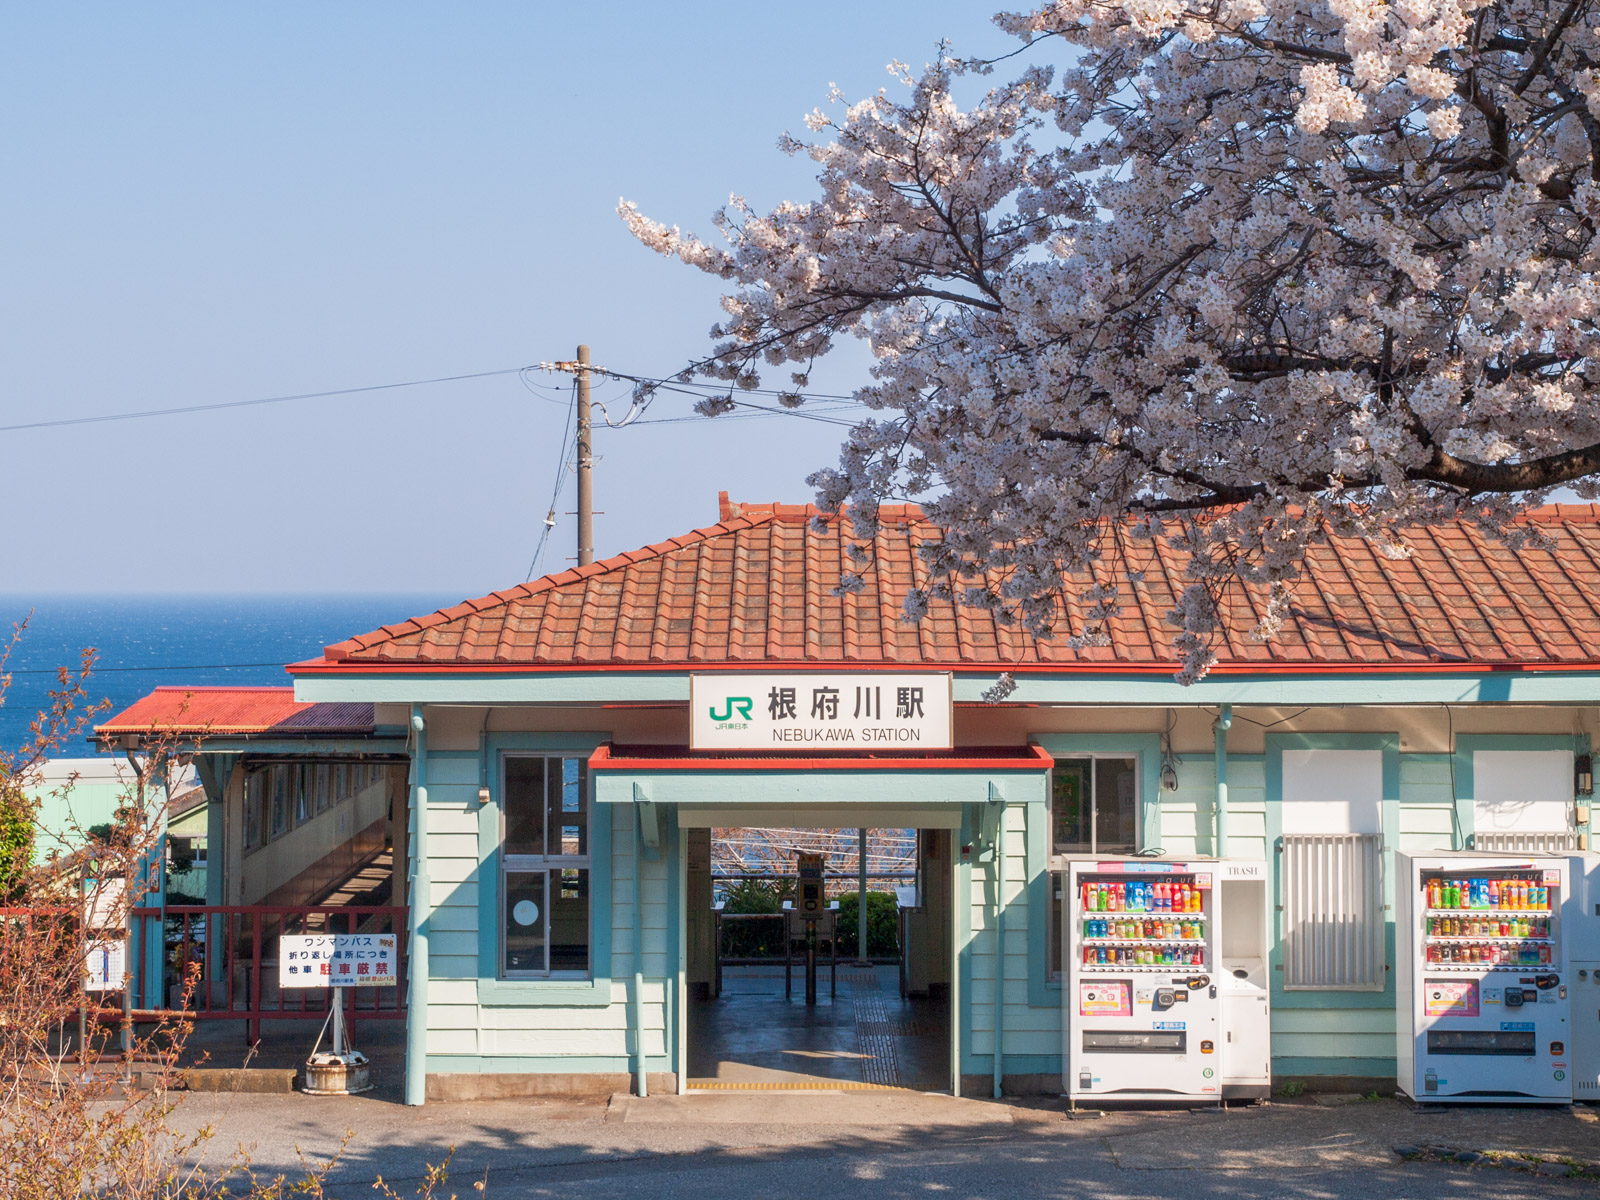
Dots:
pixel 1582 917
pixel 1141 1011
pixel 1482 978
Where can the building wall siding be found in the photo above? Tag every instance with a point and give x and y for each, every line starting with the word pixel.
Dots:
pixel 498 1036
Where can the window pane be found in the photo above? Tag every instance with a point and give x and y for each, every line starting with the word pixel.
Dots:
pixel 524 921
pixel 569 919
pixel 1069 803
pixel 280 800
pixel 1116 809
pixel 322 786
pixel 569 818
pixel 305 779
pixel 255 790
pixel 524 806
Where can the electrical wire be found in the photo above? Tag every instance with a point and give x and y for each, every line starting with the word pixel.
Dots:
pixel 196 408
pixel 562 466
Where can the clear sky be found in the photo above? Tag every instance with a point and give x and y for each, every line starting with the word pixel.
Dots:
pixel 208 203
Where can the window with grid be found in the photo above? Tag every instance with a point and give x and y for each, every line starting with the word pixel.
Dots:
pixel 544 867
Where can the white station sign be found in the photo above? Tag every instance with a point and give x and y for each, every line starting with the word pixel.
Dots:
pixel 836 711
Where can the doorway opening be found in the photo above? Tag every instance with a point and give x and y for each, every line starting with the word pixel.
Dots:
pixel 878 1019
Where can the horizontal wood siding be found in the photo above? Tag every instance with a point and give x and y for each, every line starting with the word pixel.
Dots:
pixel 535 1037
pixel 1029 1031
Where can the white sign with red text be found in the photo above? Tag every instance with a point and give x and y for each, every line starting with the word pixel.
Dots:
pixel 337 960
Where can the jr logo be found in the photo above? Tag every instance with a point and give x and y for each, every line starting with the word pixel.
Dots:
pixel 740 704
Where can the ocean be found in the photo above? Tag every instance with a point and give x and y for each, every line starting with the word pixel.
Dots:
pixel 146 641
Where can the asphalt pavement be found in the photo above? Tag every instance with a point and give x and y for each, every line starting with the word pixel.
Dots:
pixel 886 1145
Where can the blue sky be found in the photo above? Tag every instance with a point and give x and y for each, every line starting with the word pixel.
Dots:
pixel 210 203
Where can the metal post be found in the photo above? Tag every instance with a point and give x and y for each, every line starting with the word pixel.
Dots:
pixel 861 899
pixel 585 464
pixel 421 897
pixel 811 962
pixel 641 1081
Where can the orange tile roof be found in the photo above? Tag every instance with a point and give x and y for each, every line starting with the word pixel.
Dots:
pixel 236 711
pixel 760 588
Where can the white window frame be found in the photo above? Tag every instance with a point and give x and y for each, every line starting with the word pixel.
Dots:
pixel 549 864
pixel 1059 858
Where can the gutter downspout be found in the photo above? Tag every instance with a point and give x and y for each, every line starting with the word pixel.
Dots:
pixel 998 874
pixel 640 1085
pixel 1220 727
pixel 420 897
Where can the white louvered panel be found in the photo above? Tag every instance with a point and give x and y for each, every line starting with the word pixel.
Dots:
pixel 1553 842
pixel 1333 926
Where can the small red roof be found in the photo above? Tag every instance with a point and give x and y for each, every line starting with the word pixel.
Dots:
pixel 681 758
pixel 762 588
pixel 236 711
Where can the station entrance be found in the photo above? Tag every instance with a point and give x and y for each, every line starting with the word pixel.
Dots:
pixel 781 994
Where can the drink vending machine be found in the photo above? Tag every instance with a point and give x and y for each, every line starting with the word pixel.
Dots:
pixel 1482 980
pixel 1582 917
pixel 1141 1012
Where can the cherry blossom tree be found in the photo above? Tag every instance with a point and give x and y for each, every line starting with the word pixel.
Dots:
pixel 1237 274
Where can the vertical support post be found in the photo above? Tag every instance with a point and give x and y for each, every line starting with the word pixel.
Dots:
pixel 585 464
pixel 1220 728
pixel 997 873
pixel 420 898
pixel 960 893
pixel 861 899
pixel 216 774
pixel 640 1085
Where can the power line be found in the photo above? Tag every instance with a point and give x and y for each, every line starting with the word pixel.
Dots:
pixel 560 484
pixel 194 408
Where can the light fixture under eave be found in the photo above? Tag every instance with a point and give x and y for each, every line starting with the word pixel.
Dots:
pixel 1169 760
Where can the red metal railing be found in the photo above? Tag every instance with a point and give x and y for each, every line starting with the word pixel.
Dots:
pixel 236 948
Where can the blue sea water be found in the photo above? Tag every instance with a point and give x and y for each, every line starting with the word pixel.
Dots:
pixel 146 641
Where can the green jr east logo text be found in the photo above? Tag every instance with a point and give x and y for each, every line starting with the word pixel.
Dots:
pixel 732 704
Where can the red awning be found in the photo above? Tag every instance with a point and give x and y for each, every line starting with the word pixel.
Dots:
pixel 681 758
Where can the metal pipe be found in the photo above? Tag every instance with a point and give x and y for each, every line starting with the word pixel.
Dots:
pixel 1220 727
pixel 997 869
pixel 861 899
pixel 420 898
pixel 640 1086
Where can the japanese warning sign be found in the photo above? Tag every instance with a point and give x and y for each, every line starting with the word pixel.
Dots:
pixel 337 960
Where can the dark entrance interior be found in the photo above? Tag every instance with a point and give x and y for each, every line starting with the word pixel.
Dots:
pixel 882 1024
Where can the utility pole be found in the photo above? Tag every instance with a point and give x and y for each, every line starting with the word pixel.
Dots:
pixel 585 465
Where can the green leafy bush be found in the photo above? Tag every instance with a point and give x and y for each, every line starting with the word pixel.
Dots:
pixel 16 837
pixel 753 939
pixel 883 925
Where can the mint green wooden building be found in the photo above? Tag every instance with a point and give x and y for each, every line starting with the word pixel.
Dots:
pixel 564 780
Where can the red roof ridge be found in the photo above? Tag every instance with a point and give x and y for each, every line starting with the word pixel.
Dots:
pixel 222 687
pixel 763 585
